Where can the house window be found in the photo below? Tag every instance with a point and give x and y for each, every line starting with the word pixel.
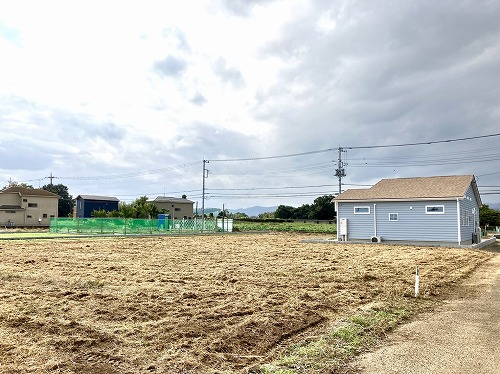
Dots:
pixel 393 216
pixel 28 216
pixel 45 215
pixel 25 200
pixel 467 218
pixel 32 205
pixel 177 209
pixel 434 209
pixel 361 210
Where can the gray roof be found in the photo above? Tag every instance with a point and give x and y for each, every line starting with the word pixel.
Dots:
pixel 23 191
pixel 178 200
pixel 97 198
pixel 421 188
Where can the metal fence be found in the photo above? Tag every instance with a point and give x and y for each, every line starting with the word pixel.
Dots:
pixel 129 226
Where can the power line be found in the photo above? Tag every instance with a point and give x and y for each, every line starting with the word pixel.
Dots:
pixel 275 157
pixel 424 143
pixel 134 174
pixel 357 147
pixel 269 188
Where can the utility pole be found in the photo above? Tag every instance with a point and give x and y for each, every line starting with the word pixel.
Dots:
pixel 51 177
pixel 340 171
pixel 205 175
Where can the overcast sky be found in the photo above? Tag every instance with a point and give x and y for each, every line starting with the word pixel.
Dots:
pixel 126 99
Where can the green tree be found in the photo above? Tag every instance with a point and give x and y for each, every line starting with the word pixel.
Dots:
pixel 323 208
pixel 267 215
pixel 143 209
pixel 303 212
pixel 284 212
pixel 488 216
pixel 66 202
pixel 17 184
pixel 240 215
pixel 99 213
pixel 224 213
pixel 126 210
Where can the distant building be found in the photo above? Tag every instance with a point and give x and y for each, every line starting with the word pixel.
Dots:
pixel 426 209
pixel 86 204
pixel 20 206
pixel 175 207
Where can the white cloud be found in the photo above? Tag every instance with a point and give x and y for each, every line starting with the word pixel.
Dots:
pixel 112 88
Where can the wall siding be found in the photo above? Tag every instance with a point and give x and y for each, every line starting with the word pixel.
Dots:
pixel 470 205
pixel 84 208
pixel 413 224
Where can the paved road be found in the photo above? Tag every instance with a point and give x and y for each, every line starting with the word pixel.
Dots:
pixel 461 336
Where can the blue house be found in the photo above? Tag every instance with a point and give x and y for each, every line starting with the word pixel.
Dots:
pixel 86 204
pixel 441 209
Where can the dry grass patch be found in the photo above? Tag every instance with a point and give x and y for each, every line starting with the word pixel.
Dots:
pixel 209 304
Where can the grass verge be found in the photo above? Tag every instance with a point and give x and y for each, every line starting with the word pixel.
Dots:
pixel 330 351
pixel 299 226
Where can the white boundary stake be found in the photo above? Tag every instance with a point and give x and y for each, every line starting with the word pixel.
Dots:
pixel 417 283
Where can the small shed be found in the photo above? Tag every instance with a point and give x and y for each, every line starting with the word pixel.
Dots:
pixel 424 209
pixel 86 204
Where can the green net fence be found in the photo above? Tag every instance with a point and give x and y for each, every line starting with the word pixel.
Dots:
pixel 128 226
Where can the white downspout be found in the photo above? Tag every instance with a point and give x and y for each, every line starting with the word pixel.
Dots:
pixel 375 218
pixel 337 219
pixel 458 223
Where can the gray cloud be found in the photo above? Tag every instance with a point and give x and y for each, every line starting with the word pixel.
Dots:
pixel 182 43
pixel 24 155
pixel 171 66
pixel 388 72
pixel 198 99
pixel 242 8
pixel 229 75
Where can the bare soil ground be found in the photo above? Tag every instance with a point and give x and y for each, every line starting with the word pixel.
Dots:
pixel 459 336
pixel 202 304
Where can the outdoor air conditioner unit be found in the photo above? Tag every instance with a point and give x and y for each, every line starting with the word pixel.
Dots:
pixel 376 239
pixel 476 237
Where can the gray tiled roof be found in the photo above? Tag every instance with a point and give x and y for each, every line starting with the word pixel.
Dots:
pixel 97 198
pixel 163 199
pixel 23 191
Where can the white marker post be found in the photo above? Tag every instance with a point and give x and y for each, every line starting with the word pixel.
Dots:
pixel 417 282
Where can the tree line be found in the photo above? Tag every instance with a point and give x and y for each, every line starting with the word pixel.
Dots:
pixel 139 208
pixel 488 216
pixel 321 209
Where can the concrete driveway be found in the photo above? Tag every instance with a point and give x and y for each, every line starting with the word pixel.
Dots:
pixel 460 336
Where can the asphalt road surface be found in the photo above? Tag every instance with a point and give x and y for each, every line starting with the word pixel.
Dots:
pixel 460 336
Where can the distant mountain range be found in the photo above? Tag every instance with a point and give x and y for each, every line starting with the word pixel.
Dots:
pixel 253 211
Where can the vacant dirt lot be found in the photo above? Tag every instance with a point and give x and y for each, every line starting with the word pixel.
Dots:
pixel 192 304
